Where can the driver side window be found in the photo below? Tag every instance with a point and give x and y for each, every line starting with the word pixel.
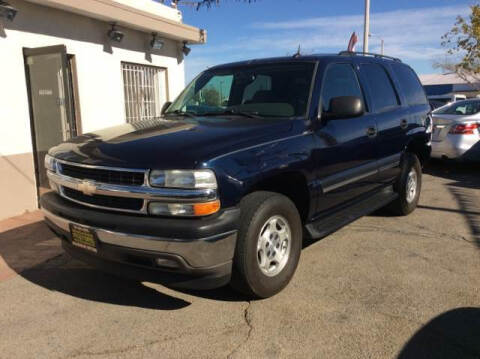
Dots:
pixel 340 80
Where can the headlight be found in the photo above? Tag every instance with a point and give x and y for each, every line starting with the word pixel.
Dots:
pixel 50 163
pixel 192 179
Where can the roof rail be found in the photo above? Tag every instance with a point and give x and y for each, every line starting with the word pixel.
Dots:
pixel 350 53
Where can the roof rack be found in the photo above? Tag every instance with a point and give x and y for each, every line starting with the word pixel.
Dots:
pixel 350 53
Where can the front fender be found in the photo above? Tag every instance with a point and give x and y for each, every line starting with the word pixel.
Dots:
pixel 239 171
pixel 419 143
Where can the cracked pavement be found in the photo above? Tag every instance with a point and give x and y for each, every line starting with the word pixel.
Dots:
pixel 381 287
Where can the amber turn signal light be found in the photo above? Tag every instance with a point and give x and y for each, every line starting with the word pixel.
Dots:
pixel 204 209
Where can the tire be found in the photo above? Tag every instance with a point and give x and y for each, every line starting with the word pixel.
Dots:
pixel 276 217
pixel 407 202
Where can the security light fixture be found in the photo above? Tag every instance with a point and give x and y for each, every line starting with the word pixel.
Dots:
pixel 7 10
pixel 156 43
pixel 185 49
pixel 114 34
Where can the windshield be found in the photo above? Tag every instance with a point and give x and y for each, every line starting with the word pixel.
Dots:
pixel 273 90
pixel 462 108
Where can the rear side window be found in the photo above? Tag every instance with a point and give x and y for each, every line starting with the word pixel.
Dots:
pixel 381 88
pixel 462 108
pixel 340 80
pixel 410 85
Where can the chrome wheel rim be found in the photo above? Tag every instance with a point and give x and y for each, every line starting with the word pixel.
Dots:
pixel 411 185
pixel 273 246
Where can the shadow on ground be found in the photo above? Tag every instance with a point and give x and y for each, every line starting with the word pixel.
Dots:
pixel 27 245
pixel 453 334
pixel 26 250
pixel 464 177
pixel 20 248
pixel 66 275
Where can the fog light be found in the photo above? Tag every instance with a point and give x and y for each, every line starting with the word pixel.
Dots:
pixel 181 209
pixel 167 263
pixel 170 209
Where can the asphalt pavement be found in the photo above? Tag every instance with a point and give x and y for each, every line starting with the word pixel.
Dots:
pixel 381 287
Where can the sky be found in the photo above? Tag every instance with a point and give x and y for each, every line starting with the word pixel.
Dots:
pixel 411 29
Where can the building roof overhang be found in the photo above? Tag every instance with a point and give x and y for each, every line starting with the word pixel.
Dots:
pixel 142 15
pixel 444 79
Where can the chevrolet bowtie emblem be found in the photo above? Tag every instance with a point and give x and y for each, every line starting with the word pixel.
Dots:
pixel 87 188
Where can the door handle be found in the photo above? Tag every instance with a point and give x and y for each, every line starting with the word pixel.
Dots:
pixel 371 132
pixel 404 124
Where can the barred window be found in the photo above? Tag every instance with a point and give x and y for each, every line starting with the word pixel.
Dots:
pixel 145 89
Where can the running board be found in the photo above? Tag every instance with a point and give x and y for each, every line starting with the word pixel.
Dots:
pixel 326 225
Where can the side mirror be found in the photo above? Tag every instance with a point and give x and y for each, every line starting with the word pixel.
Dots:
pixel 345 107
pixel 165 107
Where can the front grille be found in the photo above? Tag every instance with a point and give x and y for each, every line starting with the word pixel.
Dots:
pixel 132 204
pixel 103 175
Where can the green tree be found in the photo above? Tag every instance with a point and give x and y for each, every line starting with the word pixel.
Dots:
pixel 211 97
pixel 463 47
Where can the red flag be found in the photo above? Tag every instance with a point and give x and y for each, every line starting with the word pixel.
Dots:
pixel 353 41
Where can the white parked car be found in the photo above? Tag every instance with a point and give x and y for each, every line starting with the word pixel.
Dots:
pixel 456 131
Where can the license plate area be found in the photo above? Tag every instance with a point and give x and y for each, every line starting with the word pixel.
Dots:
pixel 83 237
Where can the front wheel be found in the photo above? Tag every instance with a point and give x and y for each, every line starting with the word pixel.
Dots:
pixel 408 186
pixel 268 245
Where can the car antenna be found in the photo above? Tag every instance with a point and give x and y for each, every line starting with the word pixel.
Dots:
pixel 298 53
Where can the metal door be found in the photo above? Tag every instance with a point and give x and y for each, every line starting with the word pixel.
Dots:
pixel 51 112
pixel 345 157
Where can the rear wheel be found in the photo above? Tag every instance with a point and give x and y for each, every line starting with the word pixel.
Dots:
pixel 268 245
pixel 408 186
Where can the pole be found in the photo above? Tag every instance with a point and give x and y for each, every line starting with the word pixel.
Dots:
pixel 383 47
pixel 366 28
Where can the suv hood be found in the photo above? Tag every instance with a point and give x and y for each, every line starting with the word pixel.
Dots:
pixel 170 143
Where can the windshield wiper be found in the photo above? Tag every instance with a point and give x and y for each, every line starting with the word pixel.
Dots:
pixel 182 113
pixel 232 112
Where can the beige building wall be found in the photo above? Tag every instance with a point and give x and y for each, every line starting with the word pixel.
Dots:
pixel 17 184
pixel 100 85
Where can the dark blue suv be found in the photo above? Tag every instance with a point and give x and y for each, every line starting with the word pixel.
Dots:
pixel 252 158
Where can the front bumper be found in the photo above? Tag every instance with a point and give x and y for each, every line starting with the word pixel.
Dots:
pixel 130 245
